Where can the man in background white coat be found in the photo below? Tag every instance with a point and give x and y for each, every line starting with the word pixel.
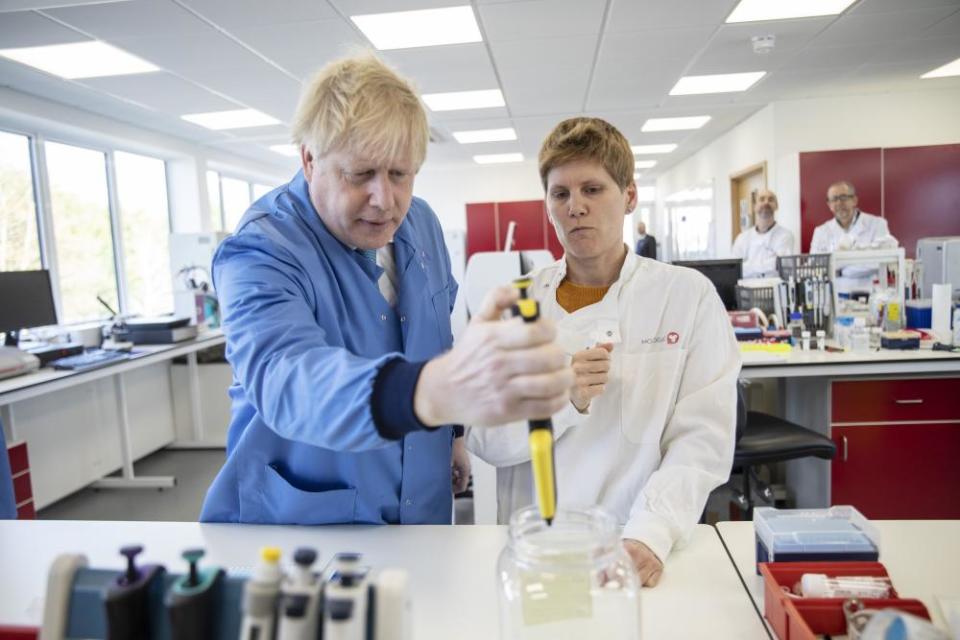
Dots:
pixel 760 245
pixel 850 228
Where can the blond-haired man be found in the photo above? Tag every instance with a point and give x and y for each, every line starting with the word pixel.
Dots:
pixel 650 426
pixel 336 292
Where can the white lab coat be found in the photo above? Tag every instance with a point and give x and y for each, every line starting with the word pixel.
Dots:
pixel 760 250
pixel 661 436
pixel 867 232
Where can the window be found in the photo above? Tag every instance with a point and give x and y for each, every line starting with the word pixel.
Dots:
pixel 81 227
pixel 260 190
pixel 19 237
pixel 690 216
pixel 236 200
pixel 216 208
pixel 145 223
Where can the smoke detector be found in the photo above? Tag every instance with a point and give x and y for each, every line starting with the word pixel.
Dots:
pixel 763 44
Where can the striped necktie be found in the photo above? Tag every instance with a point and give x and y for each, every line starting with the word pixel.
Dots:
pixel 369 254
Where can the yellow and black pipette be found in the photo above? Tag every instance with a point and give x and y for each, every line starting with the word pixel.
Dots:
pixel 541 429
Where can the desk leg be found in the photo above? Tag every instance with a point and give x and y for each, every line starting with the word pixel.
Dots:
pixel 128 479
pixel 6 417
pixel 196 414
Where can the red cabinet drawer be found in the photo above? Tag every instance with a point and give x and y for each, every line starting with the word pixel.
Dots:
pixel 18 457
pixel 905 471
pixel 895 400
pixel 22 490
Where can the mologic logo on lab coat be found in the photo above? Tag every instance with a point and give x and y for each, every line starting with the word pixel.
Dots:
pixel 671 338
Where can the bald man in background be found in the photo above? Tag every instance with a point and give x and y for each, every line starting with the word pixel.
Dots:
pixel 760 245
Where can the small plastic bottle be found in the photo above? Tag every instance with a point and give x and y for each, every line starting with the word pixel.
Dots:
pixel 821 340
pixel 875 338
pixel 818 585
pixel 860 337
pixel 805 340
pixel 956 327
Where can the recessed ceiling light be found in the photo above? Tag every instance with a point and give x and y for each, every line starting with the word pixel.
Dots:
pixel 456 100
pixel 235 119
pixel 755 10
pixel 675 124
pixel 949 69
pixel 716 83
pixel 485 135
pixel 423 28
pixel 644 164
pixel 291 150
pixel 92 59
pixel 645 149
pixel 498 158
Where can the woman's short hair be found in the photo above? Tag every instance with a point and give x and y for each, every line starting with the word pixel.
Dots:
pixel 588 139
pixel 359 104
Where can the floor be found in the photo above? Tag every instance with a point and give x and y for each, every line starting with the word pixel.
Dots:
pixel 193 469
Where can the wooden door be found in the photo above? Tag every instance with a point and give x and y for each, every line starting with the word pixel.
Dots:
pixel 744 186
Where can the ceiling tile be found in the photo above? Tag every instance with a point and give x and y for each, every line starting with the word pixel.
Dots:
pixel 880 6
pixel 528 84
pixel 653 47
pixel 949 26
pixel 457 67
pixel 730 49
pixel 305 47
pixel 823 57
pixel 635 15
pixel 541 19
pixel 23 5
pixel 29 29
pixel 363 7
pixel 935 51
pixel 617 87
pixel 133 19
pixel 162 91
pixel 880 28
pixel 231 14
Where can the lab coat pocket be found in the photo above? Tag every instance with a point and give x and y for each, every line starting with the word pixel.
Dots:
pixel 650 382
pixel 289 504
pixel 441 306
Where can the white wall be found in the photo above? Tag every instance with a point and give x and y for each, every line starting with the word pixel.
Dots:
pixel 449 188
pixel 779 132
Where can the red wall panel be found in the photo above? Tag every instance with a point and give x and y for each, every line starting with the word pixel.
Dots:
pixel 481 228
pixel 530 219
pixel 820 169
pixel 553 242
pixel 922 192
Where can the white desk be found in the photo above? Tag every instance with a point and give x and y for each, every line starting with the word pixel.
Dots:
pixel 452 570
pixel 921 556
pixel 823 363
pixel 48 380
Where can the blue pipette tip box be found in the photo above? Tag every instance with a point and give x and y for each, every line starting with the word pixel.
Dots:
pixel 839 533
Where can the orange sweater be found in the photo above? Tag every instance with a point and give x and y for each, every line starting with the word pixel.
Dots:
pixel 574 296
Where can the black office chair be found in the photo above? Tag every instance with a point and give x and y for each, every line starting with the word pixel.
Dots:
pixel 766 439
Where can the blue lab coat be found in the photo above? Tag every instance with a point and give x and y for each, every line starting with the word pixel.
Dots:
pixel 307 331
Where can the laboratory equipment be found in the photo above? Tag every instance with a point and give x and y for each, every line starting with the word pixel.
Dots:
pixel 820 585
pixel 260 597
pixel 300 599
pixel 941 263
pixel 724 274
pixel 84 602
pixel 540 429
pixel 821 340
pixel 797 617
pixel 26 301
pixel 900 340
pixel 919 313
pixel 860 336
pixel 191 267
pixel 805 535
pixel 192 601
pixel 14 362
pixel 866 281
pixel 571 580
pixel 805 340
pixel 92 359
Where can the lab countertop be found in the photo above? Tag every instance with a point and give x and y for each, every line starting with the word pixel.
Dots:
pixel 921 556
pixel 452 570
pixel 798 363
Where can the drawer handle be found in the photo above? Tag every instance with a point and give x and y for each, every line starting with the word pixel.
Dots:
pixel 914 401
pixel 845 447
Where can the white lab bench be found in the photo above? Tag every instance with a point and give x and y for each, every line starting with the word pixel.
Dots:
pixel 81 426
pixel 452 570
pixel 921 556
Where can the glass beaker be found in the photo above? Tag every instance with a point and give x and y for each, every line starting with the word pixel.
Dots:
pixel 569 580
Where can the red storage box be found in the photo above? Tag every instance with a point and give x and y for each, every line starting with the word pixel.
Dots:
pixel 806 618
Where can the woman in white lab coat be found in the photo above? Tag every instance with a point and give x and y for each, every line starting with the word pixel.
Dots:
pixel 650 428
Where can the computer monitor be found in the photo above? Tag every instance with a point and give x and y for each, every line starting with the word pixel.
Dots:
pixel 724 275
pixel 26 300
